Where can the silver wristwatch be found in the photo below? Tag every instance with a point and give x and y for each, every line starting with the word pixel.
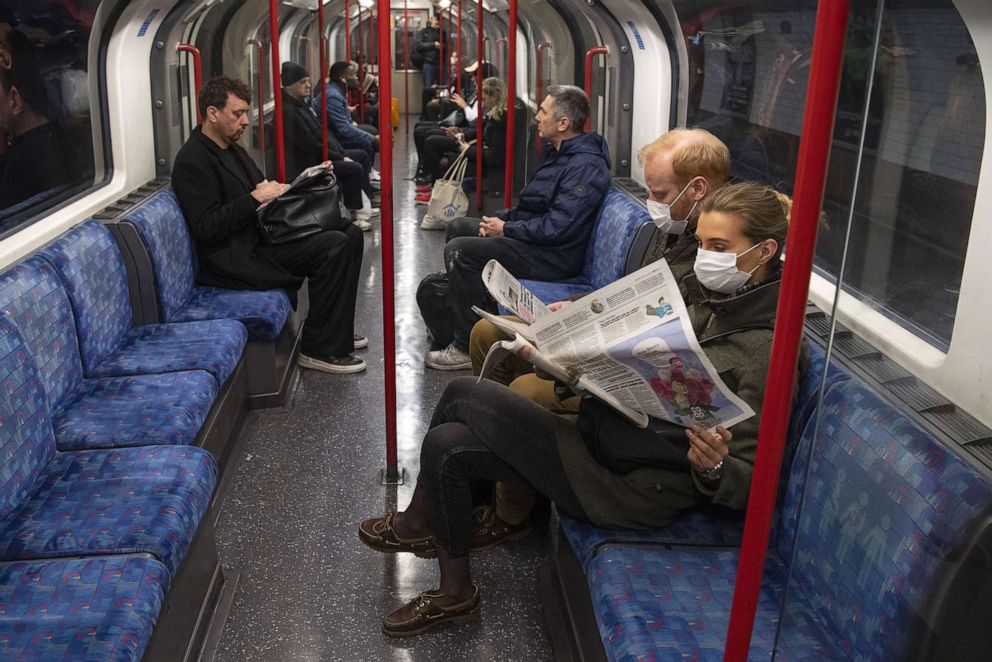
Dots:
pixel 713 473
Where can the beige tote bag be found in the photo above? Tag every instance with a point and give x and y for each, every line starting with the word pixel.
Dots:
pixel 448 201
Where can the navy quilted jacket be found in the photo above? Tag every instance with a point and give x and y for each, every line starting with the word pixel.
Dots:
pixel 560 202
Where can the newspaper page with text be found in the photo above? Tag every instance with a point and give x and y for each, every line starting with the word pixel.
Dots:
pixel 632 345
pixel 510 294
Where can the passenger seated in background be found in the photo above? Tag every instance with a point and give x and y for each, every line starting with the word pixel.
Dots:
pixel 546 235
pixel 343 76
pixel 440 150
pixel 305 148
pixel 368 87
pixel 37 159
pixel 681 169
pixel 220 188
pixel 485 432
pixel 453 123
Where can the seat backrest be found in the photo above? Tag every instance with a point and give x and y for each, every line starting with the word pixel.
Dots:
pixel 92 270
pixel 886 505
pixel 160 223
pixel 27 442
pixel 620 217
pixel 33 299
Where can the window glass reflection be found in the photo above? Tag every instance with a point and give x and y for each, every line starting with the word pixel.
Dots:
pixel 748 72
pixel 46 148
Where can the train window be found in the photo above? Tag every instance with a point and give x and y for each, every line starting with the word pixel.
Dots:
pixel 924 123
pixel 46 116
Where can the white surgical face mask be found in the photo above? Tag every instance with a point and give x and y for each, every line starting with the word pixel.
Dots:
pixel 718 271
pixel 661 214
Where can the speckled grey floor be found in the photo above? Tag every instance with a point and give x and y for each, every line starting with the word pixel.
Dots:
pixel 309 589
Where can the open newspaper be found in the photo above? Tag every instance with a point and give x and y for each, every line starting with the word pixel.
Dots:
pixel 630 344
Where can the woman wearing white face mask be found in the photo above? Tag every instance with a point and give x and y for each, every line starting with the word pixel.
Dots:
pixel 484 431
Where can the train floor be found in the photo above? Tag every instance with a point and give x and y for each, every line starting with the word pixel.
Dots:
pixel 309 589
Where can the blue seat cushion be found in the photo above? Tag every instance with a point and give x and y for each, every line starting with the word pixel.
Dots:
pixel 100 609
pixel 160 223
pixel 32 297
pixel 91 268
pixel 141 410
pixel 263 313
pixel 551 292
pixel 708 524
pixel 118 501
pixel 27 443
pixel 212 345
pixel 674 604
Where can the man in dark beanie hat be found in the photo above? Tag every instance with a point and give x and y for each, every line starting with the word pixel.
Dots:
pixel 304 147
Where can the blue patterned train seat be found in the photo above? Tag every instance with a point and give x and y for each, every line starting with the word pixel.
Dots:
pixel 104 412
pixel 160 223
pixel 100 609
pixel 92 270
pixel 620 219
pixel 709 524
pixel 120 501
pixel 886 509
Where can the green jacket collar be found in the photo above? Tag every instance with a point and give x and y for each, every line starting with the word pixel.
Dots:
pixel 751 307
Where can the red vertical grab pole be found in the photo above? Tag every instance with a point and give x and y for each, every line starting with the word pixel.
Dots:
pixel 590 54
pixel 511 99
pixel 478 107
pixel 388 271
pixel 260 75
pixel 197 74
pixel 814 152
pixel 458 58
pixel 306 59
pixel 361 96
pixel 322 64
pixel 276 86
pixel 442 66
pixel 347 30
pixel 406 66
pixel 539 95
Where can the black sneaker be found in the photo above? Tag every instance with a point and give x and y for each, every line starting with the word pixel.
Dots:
pixel 361 342
pixel 338 365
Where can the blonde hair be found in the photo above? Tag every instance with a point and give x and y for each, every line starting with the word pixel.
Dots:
pixel 695 153
pixel 763 210
pixel 497 90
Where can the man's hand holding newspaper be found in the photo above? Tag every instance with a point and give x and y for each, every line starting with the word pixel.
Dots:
pixel 630 344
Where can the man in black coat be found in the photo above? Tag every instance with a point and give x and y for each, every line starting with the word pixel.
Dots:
pixel 220 188
pixel 304 146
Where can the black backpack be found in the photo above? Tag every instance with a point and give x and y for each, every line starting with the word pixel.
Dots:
pixel 432 299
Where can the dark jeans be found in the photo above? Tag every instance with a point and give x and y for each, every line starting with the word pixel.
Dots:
pixel 361 157
pixel 351 177
pixel 421 133
pixel 332 263
pixel 436 147
pixel 486 432
pixel 464 259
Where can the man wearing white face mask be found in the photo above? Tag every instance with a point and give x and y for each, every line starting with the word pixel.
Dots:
pixel 681 168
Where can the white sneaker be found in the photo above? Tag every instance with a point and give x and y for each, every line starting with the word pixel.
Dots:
pixel 361 223
pixel 449 358
pixel 433 223
pixel 374 175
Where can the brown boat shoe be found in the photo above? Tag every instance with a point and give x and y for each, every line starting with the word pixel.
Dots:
pixel 488 530
pixel 424 613
pixel 378 533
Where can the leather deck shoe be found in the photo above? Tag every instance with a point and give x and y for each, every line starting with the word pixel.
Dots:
pixel 424 613
pixel 378 533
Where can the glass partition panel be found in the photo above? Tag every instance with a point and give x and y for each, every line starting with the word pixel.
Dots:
pixel 47 112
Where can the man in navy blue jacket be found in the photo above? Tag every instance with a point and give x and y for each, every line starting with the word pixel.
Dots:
pixel 344 76
pixel 545 236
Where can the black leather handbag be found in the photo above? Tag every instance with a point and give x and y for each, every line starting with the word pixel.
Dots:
pixel 432 298
pixel 622 447
pixel 309 207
